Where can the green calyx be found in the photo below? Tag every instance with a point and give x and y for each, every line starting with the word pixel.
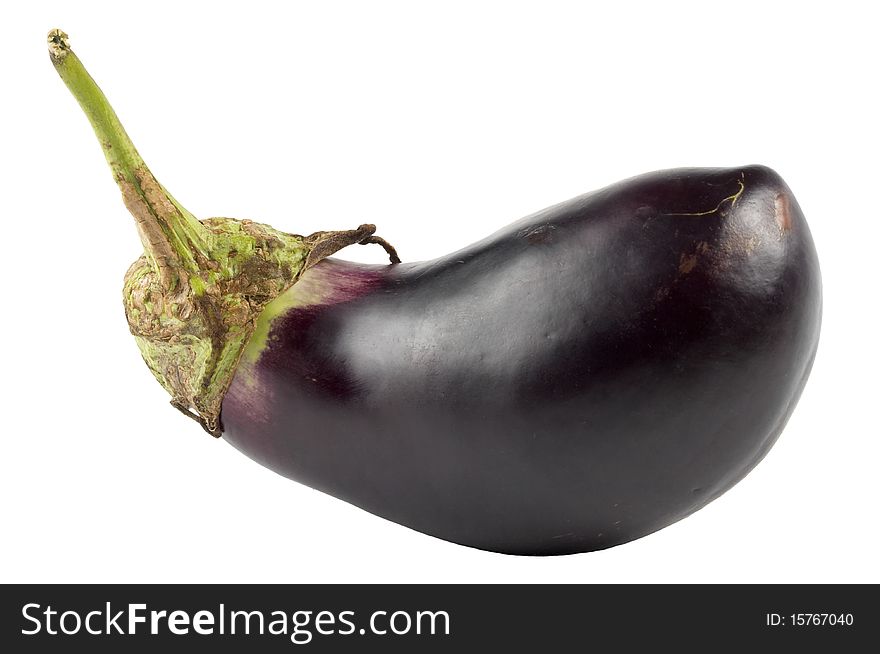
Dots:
pixel 193 299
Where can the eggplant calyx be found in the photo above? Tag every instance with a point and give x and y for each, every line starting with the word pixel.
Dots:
pixel 193 298
pixel 192 337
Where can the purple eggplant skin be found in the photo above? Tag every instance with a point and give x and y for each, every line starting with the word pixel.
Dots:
pixel 584 377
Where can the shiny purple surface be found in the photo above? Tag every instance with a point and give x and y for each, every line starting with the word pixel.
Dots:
pixel 583 377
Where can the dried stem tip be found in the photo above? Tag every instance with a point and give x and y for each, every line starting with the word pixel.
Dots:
pixel 58 44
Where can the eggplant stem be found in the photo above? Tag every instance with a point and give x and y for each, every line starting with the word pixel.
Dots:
pixel 193 300
pixel 173 239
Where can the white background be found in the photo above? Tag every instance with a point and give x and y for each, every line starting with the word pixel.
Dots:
pixel 469 115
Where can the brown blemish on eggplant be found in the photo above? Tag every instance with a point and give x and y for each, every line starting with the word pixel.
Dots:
pixel 687 262
pixel 539 234
pixel 783 212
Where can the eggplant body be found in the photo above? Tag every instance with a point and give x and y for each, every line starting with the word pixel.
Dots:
pixel 585 376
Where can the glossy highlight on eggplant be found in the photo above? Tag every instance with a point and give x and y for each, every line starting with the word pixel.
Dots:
pixel 581 378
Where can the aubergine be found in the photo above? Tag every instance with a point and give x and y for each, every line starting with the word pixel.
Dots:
pixel 581 378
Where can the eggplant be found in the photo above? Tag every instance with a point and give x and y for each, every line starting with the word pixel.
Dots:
pixel 583 377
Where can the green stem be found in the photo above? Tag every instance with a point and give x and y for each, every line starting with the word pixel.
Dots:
pixel 174 240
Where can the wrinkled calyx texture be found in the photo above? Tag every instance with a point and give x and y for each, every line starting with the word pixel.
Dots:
pixel 192 300
pixel 192 336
